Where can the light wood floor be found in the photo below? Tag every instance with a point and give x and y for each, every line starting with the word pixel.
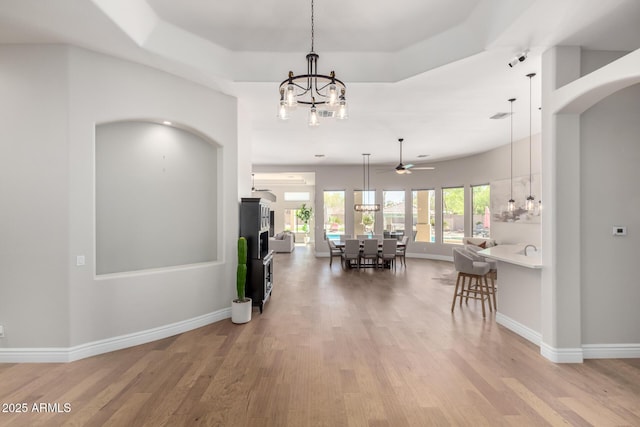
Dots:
pixel 334 348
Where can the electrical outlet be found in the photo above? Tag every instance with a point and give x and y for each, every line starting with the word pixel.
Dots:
pixel 619 230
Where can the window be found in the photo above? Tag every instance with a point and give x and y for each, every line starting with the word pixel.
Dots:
pixel 424 215
pixel 334 214
pixel 297 196
pixel 364 222
pixel 393 213
pixel 453 215
pixel 291 221
pixel 481 218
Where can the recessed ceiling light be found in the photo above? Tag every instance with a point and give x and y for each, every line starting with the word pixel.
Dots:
pixel 166 122
pixel 318 155
pixel 498 116
pixel 422 156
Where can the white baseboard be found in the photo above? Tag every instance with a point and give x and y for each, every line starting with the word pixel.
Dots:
pixel 520 329
pixel 611 351
pixel 69 354
pixel 562 355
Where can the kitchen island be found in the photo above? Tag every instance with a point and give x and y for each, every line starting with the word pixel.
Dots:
pixel 519 289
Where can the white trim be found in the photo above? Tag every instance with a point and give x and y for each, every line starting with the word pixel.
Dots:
pixel 520 329
pixel 611 351
pixel 70 354
pixel 562 355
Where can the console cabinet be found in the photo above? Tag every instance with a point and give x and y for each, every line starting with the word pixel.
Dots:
pixel 254 226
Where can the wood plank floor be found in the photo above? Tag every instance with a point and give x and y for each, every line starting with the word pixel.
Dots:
pixel 333 348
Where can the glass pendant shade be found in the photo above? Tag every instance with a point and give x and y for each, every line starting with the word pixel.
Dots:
pixel 332 95
pixel 283 112
pixel 342 110
pixel 313 117
pixel 511 205
pixel 291 95
pixel 530 205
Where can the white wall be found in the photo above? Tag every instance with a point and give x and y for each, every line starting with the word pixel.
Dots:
pixel 58 94
pixel 34 196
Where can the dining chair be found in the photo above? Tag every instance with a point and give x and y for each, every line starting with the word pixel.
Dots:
pixel 388 253
pixel 474 271
pixel 369 252
pixel 333 251
pixel 401 250
pixel 351 252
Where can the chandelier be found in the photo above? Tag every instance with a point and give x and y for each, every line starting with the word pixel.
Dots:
pixel 313 90
pixel 366 206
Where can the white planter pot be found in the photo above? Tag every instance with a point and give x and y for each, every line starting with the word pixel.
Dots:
pixel 241 311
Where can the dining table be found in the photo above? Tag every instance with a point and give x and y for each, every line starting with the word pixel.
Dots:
pixel 340 244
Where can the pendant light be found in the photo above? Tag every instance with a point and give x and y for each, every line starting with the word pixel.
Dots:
pixel 511 205
pixel 529 206
pixel 365 206
pixel 325 95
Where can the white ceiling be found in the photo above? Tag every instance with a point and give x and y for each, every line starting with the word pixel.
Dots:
pixel 431 71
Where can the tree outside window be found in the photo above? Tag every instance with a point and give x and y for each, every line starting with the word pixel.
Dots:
pixel 480 200
pixel 453 215
pixel 424 215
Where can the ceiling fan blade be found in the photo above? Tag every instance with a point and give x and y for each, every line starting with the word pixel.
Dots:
pixel 409 166
pixel 423 168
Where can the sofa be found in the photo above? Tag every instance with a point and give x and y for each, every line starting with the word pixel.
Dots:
pixel 281 242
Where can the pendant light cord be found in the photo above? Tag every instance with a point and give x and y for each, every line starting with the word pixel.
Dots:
pixel 511 101
pixel 530 92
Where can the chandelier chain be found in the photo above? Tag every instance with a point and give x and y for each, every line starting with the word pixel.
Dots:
pixel 312 27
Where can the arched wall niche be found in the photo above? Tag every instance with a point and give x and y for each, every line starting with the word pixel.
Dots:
pixel 156 196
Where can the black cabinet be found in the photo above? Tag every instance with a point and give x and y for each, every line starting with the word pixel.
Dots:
pixel 254 226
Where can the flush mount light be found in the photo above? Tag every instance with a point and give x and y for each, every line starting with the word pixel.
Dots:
pixel 323 94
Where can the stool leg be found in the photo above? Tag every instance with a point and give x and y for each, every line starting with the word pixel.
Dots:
pixel 487 292
pixel 455 293
pixel 493 291
pixel 479 287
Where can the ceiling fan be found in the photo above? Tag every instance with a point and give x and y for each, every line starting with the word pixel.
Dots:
pixel 406 169
pixel 253 186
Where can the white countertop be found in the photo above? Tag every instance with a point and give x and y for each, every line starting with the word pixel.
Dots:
pixel 513 254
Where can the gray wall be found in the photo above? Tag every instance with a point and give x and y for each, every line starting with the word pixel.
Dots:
pixel 610 155
pixel 155 197
pixel 53 97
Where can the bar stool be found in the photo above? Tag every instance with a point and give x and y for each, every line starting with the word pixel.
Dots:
pixel 492 275
pixel 474 271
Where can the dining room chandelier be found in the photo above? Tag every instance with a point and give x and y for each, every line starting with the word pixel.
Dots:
pixel 365 206
pixel 323 94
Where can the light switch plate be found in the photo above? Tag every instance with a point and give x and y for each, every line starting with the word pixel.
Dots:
pixel 80 260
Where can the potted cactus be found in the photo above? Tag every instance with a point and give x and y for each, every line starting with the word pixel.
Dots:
pixel 241 306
